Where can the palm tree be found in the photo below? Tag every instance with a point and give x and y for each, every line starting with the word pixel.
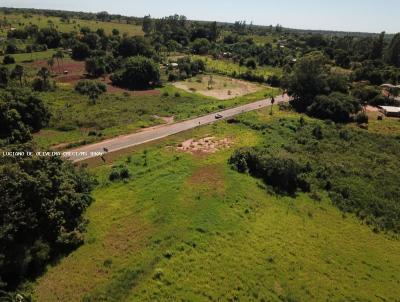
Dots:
pixel 44 74
pixel 59 56
pixel 50 63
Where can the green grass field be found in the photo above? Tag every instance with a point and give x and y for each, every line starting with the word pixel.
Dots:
pixel 35 56
pixel 227 67
pixel 116 114
pixel 189 228
pixel 18 20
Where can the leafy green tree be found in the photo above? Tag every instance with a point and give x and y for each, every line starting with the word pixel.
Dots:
pixel 43 200
pixel 49 36
pixel 308 79
pixel 80 51
pixel 31 110
pixel 12 129
pixel 138 73
pixel 337 107
pixel 135 46
pixel 96 66
pixel 201 46
pixel 92 40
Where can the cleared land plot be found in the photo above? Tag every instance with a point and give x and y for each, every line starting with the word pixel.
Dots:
pixel 228 67
pixel 221 88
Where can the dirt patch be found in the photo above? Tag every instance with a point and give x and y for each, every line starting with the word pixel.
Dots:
pixel 210 177
pixel 222 88
pixel 166 119
pixel 73 67
pixel 207 145
pixel 76 73
pixel 372 109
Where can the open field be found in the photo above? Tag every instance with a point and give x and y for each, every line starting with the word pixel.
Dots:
pixel 34 56
pixel 227 67
pixel 19 20
pixel 185 227
pixel 222 88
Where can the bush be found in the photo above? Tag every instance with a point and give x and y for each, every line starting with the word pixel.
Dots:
pixel 11 49
pixel 87 87
pixel 361 118
pixel 283 174
pixel 119 173
pixel 39 84
pixel 7 60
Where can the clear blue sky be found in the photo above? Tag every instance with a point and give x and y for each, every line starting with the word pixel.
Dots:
pixel 347 15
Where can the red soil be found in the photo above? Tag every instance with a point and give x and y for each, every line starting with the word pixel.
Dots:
pixel 76 72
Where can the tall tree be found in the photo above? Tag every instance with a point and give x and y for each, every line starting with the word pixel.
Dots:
pixel 377 47
pixel 393 53
pixel 148 25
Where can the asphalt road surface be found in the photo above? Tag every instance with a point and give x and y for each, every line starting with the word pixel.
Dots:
pixel 158 132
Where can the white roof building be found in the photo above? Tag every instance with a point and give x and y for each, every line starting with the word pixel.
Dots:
pixel 390 111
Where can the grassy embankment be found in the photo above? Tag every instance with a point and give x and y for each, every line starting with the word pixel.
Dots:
pixel 188 228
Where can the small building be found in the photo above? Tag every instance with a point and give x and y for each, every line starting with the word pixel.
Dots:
pixel 390 111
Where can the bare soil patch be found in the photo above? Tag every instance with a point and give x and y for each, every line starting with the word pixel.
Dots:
pixel 372 109
pixel 76 73
pixel 207 145
pixel 221 88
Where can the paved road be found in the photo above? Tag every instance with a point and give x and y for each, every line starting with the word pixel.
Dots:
pixel 158 132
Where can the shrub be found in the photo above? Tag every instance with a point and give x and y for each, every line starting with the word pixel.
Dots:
pixel 11 49
pixel 361 118
pixel 283 174
pixel 119 173
pixel 7 60
pixel 86 87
